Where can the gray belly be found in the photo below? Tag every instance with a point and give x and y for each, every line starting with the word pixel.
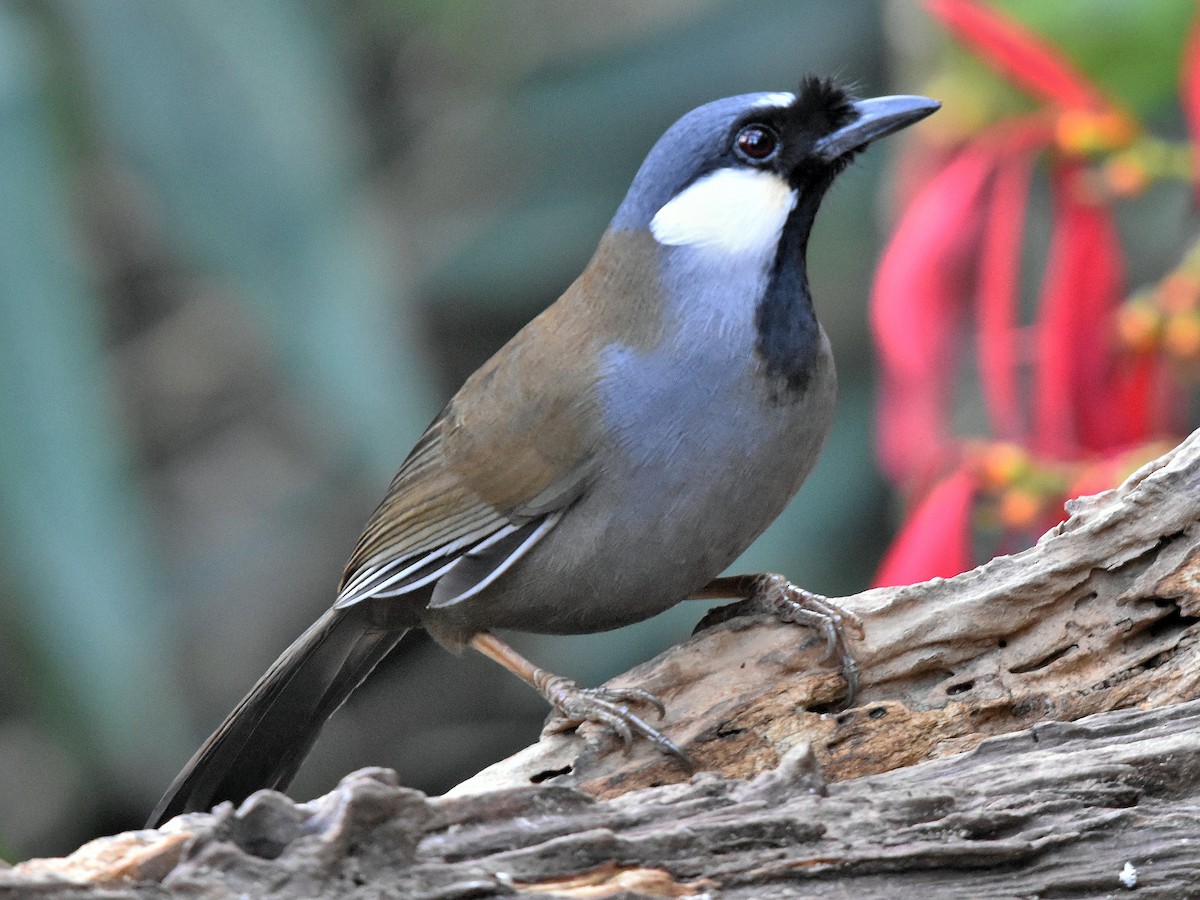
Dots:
pixel 693 474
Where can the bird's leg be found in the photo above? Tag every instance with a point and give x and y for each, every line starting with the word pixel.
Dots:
pixel 776 595
pixel 574 704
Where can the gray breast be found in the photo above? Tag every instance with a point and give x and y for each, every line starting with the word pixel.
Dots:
pixel 700 454
pixel 697 466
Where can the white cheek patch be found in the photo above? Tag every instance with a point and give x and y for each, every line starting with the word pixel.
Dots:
pixel 733 211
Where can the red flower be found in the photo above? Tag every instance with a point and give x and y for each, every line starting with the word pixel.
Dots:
pixel 997 297
pixel 1075 351
pixel 1071 399
pixel 936 539
pixel 916 312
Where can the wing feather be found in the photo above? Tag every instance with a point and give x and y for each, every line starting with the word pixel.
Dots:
pixel 428 522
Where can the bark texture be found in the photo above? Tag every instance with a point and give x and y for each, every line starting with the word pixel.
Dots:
pixel 1022 730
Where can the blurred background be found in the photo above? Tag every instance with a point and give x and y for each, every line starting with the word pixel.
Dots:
pixel 247 250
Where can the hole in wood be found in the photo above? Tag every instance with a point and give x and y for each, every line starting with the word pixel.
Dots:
pixel 1045 661
pixel 1173 622
pixel 549 773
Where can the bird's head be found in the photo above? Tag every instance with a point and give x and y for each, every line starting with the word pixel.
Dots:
pixel 727 176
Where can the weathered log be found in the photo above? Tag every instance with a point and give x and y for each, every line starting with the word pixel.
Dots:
pixel 1022 730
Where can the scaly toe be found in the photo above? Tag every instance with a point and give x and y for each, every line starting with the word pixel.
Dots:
pixel 793 604
pixel 608 707
pixel 632 695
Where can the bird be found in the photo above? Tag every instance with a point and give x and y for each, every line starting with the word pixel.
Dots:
pixel 615 456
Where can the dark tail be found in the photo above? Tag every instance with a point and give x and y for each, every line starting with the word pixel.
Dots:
pixel 263 741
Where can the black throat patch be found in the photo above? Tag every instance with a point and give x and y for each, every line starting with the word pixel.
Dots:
pixel 788 333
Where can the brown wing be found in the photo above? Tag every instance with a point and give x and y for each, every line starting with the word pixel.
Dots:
pixel 487 480
pixel 514 448
pixel 428 517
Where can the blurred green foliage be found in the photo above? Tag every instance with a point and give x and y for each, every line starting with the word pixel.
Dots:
pixel 1130 50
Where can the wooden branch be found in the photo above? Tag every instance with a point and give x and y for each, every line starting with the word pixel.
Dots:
pixel 1098 621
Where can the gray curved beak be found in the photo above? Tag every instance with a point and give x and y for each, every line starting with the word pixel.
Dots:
pixel 877 117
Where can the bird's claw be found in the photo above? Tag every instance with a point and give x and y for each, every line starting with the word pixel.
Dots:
pixel 776 595
pixel 608 707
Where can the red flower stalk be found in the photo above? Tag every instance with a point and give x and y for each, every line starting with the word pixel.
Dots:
pixel 916 313
pixel 1075 350
pixel 1075 399
pixel 936 539
pixel 997 297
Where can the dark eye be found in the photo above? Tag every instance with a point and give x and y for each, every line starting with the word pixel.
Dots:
pixel 756 142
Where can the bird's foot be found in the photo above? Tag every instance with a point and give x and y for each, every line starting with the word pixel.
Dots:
pixel 606 706
pixel 776 595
